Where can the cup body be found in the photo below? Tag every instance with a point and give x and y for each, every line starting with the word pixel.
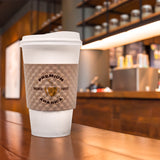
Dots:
pixel 49 61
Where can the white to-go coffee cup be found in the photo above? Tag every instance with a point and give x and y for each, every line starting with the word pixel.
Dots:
pixel 50 70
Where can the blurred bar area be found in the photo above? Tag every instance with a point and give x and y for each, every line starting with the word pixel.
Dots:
pixel 135 79
pixel 119 69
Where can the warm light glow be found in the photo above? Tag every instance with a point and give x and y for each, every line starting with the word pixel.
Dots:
pixel 137 34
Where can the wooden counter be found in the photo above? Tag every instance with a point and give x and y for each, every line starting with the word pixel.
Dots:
pixel 84 143
pixel 135 113
pixel 121 94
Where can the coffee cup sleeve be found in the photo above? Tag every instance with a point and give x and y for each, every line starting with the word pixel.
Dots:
pixel 51 87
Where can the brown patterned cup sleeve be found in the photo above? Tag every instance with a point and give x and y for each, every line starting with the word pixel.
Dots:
pixel 51 87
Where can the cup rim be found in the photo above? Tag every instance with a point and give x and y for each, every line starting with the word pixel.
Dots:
pixel 57 38
pixel 49 42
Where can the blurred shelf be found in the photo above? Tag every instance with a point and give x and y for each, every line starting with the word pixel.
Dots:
pixel 94 19
pixel 50 25
pixel 128 3
pixel 90 3
pixel 115 10
pixel 93 3
pixel 151 18
pixel 123 6
pixel 112 32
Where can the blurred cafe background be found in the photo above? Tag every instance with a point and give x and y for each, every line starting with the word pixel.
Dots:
pixel 119 70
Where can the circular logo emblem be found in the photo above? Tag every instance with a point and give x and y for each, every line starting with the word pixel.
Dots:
pixel 50 88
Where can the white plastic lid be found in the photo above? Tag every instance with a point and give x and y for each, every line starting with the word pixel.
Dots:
pixel 65 37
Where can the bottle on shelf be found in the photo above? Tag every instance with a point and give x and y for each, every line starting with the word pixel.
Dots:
pixel 157 6
pixel 142 60
pixel 120 63
pixel 97 29
pixel 113 23
pixel 146 10
pixel 105 4
pixel 129 61
pixel 59 14
pixel 124 19
pixel 59 28
pixel 135 15
pixel 145 61
pixel 98 9
pixel 55 30
pixel 104 27
pixel 115 1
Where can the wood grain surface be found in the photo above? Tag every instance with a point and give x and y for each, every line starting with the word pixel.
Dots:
pixel 84 143
pixel 136 113
pixel 120 94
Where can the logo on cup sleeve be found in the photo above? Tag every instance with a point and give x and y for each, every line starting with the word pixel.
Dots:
pixel 51 91
pixel 50 88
